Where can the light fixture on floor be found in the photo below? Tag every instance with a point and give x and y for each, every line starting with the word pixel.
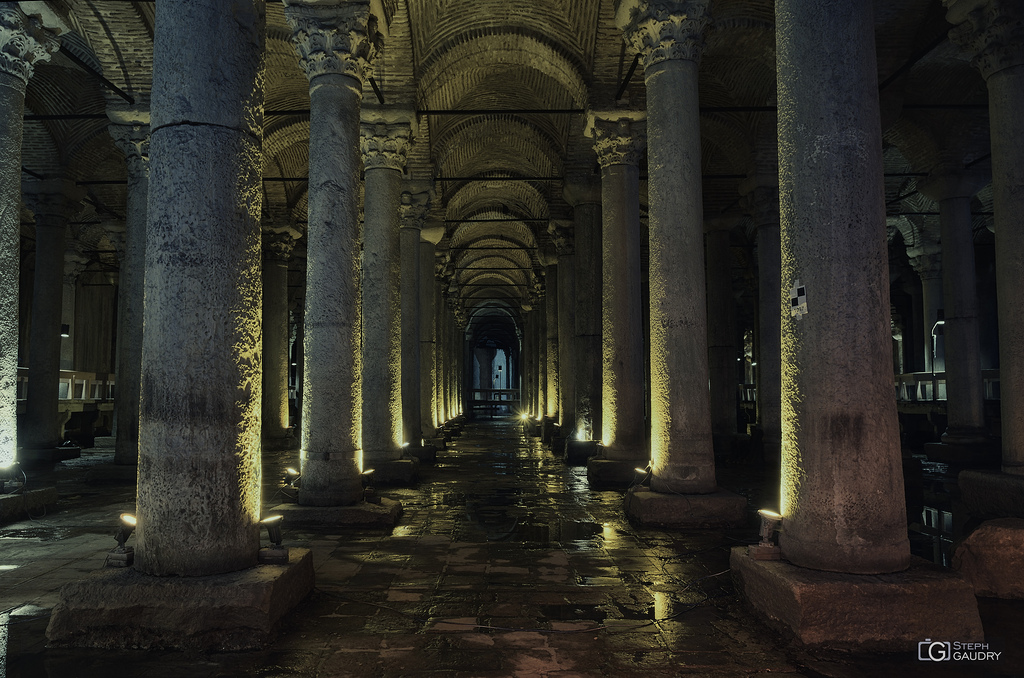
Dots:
pixel 275 554
pixel 767 549
pixel 643 473
pixel 370 495
pixel 65 331
pixel 291 476
pixel 121 555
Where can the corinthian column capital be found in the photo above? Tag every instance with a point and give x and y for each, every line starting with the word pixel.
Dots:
pixel 334 39
pixel 23 42
pixel 415 205
pixel 385 145
pixel 991 33
pixel 618 140
pixel 661 30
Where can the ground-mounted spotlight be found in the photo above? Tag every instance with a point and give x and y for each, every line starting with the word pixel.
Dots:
pixel 767 549
pixel 370 495
pixel 121 555
pixel 643 475
pixel 275 554
pixel 291 476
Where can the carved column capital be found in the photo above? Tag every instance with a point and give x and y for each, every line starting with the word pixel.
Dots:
pixel 618 141
pixel 415 207
pixel 278 246
pixel 762 204
pixel 661 30
pixel 23 42
pixel 338 39
pixel 133 141
pixel 57 199
pixel 384 145
pixel 991 33
pixel 562 237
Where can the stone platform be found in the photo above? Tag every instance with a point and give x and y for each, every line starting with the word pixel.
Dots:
pixel 992 559
pixel 122 608
pixel 985 454
pixel 396 472
pixel 578 452
pixel 426 454
pixel 992 494
pixel 886 612
pixel 384 514
pixel 721 508
pixel 14 506
pixel 614 472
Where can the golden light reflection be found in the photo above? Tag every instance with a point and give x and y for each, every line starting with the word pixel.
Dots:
pixel 662 605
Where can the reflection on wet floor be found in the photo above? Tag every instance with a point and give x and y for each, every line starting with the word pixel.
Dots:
pixel 505 563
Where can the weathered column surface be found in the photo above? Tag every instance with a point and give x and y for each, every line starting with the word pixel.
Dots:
pixel 132 138
pixel 335 44
pixel 199 434
pixel 965 404
pixel 74 264
pixel 277 249
pixel 384 145
pixel 54 202
pixel 926 259
pixel 842 481
pixel 440 363
pixel 552 370
pixel 427 320
pixel 722 352
pixel 566 322
pixel 584 195
pixel 619 143
pixel 670 38
pixel 415 202
pixel 991 32
pixel 27 43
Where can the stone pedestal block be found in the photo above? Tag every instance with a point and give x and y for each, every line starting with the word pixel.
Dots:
pixel 578 452
pixel 48 456
pixel 884 612
pixel 14 506
pixel 721 508
pixel 384 514
pixel 991 494
pixel 426 454
pixel 992 558
pixel 123 608
pixel 982 454
pixel 558 444
pixel 436 443
pixel 604 472
pixel 395 472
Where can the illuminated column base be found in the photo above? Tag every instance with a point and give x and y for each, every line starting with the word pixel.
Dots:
pixel 720 508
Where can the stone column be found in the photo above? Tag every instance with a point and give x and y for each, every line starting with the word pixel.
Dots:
pixel 584 194
pixel 619 143
pixel 132 138
pixel 415 202
pixel 842 481
pixel 427 320
pixel 55 202
pixel 965 404
pixel 74 264
pixel 277 250
pixel 384 145
pixel 926 259
pixel 440 363
pixel 669 36
pixel 566 321
pixel 335 45
pixel 551 366
pixel 199 435
pixel 991 32
pixel 763 204
pixel 26 43
pixel 721 322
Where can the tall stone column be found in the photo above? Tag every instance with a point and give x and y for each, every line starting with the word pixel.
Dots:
pixel 965 405
pixel 384 144
pixel 619 143
pixel 540 314
pixel 584 195
pixel 415 203
pixel 721 321
pixel 277 250
pixel 440 361
pixel 54 202
pixel 842 481
pixel 132 138
pixel 991 33
pixel 335 46
pixel 669 36
pixel 427 320
pixel 74 264
pixel 529 356
pixel 763 203
pixel 26 44
pixel 566 321
pixel 926 259
pixel 199 435
pixel 553 379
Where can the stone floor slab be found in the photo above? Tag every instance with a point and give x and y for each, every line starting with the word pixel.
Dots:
pixel 384 514
pixel 721 508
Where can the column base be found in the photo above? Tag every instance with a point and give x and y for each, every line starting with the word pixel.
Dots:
pixel 548 430
pixel 992 558
pixel 721 508
pixel 426 454
pixel 384 514
pixel 394 471
pixel 558 444
pixel 614 472
pixel 992 494
pixel 578 452
pixel 436 443
pixel 965 453
pixel 121 608
pixel 885 612
pixel 14 506
pixel 40 457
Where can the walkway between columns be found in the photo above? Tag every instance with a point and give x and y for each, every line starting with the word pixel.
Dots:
pixel 505 563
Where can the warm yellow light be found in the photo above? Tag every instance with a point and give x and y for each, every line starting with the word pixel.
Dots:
pixel 770 515
pixel 270 520
pixel 128 519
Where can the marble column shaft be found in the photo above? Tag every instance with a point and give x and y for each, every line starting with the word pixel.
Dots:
pixel 619 144
pixel 74 264
pixel 566 338
pixel 199 477
pixel 277 249
pixel 764 203
pixel 335 45
pixel 551 366
pixel 721 318
pixel 384 149
pixel 27 43
pixel 414 208
pixel 842 481
pixel 54 202
pixel 133 140
pixel 991 33
pixel 428 367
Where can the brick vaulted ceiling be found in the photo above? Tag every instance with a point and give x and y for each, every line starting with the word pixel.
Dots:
pixel 498 173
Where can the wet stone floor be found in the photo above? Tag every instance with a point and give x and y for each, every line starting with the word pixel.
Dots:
pixel 504 563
